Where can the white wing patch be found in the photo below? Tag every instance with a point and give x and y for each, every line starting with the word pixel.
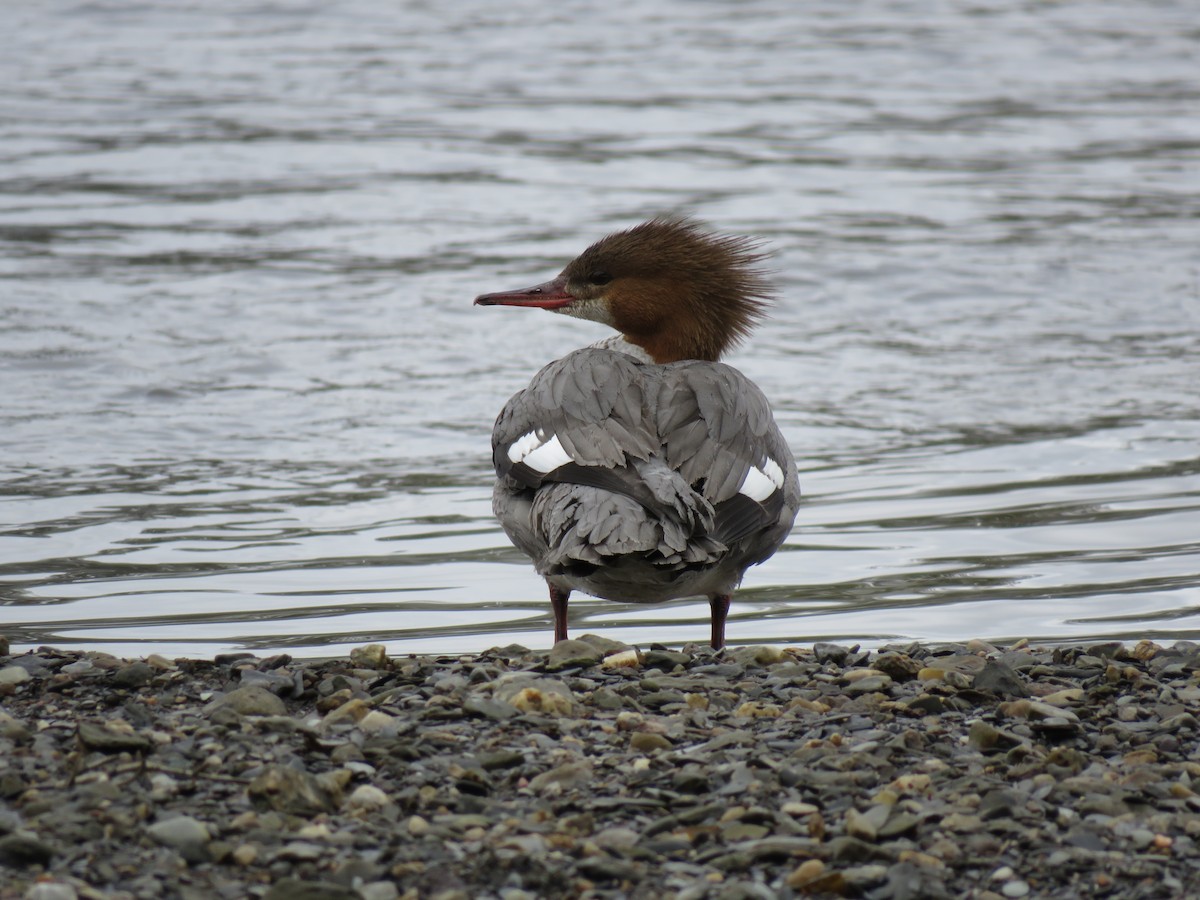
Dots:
pixel 541 452
pixel 760 484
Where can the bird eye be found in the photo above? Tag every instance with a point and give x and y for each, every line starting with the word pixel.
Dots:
pixel 599 278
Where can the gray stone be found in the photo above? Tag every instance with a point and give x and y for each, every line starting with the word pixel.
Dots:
pixel 134 675
pixel 667 660
pixel 13 675
pixel 251 700
pixel 490 709
pixel 14 729
pixel 184 834
pixel 51 890
pixel 870 685
pixel 113 738
pixel 297 889
pixel 607 646
pixel 998 678
pixel 830 653
pixel 290 791
pixel 23 848
pixel 500 759
pixel 369 656
pixel 572 774
pixel 572 654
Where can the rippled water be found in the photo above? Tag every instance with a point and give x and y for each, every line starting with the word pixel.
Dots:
pixel 246 400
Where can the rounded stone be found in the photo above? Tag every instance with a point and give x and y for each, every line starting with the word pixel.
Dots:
pixel 13 675
pixel 253 701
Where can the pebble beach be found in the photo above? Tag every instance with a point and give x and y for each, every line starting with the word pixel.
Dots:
pixel 598 770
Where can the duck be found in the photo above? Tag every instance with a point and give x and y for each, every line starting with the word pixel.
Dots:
pixel 641 468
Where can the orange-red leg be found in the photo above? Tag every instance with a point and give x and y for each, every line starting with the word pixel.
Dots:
pixel 720 609
pixel 558 602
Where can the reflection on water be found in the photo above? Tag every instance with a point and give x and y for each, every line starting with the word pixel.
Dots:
pixel 247 401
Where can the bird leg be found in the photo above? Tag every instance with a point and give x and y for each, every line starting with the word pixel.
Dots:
pixel 558 602
pixel 719 604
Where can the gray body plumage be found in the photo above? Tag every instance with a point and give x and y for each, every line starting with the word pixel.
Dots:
pixel 639 482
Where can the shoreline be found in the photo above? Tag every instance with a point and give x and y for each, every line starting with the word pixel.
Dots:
pixel 600 770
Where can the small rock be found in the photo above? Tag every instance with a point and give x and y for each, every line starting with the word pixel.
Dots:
pixel 79 667
pixel 1015 889
pixel 490 709
pixel 417 826
pixel 869 685
pixel 299 851
pixel 1145 650
pixel 898 666
pixel 666 660
pixel 758 655
pixel 572 774
pixel 955 679
pixel 570 654
pixel 966 663
pixel 377 722
pixel 379 890
pixel 370 656
pixel 983 736
pixel 186 835
pixel 644 742
pixel 114 736
pixel 962 822
pixel 911 783
pixel 690 781
pixel 250 700
pixel 807 871
pixel 14 729
pixel 998 678
pixel 245 854
pixel 858 826
pixel 352 711
pixel 624 659
pixel 297 889
pixel 898 824
pixel 296 793
pixel 51 890
pixel 134 675
pixel 23 848
pixel 607 646
pixel 501 759
pixel 13 675
pixel 278 683
pixel 976 645
pixel 546 696
pixel 368 798
pixel 1065 697
pixel 1035 710
pixel 751 709
pixel 734 832
pixel 830 653
pixel 852 849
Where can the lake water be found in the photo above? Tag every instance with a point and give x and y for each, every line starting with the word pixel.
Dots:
pixel 247 401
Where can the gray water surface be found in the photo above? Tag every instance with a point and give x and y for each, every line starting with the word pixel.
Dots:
pixel 247 401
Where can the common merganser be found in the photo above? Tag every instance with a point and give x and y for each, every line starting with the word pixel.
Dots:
pixel 640 469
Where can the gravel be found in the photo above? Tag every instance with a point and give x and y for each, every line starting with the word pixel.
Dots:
pixel 601 770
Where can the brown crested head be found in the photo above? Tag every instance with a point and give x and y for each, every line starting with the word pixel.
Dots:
pixel 668 285
pixel 673 288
